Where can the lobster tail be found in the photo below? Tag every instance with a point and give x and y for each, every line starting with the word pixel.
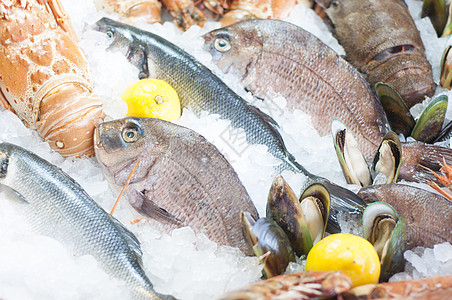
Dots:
pixel 417 157
pixel 68 116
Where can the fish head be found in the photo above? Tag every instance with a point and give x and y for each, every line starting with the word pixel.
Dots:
pixel 4 160
pixel 119 144
pixel 235 47
pixel 119 37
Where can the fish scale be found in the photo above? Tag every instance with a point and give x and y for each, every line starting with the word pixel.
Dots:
pixel 57 206
pixel 199 89
pixel 327 86
pixel 182 180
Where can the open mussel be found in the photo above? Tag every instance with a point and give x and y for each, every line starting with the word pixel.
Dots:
pixel 446 66
pixel 351 159
pixel 385 230
pixel 386 163
pixel 265 236
pixel 304 221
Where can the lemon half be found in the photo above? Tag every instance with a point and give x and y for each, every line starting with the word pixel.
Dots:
pixel 353 255
pixel 152 98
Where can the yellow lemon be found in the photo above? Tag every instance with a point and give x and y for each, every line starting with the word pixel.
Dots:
pixel 152 98
pixel 349 253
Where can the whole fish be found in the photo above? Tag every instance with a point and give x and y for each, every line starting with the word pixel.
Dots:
pixel 380 39
pixel 428 216
pixel 272 56
pixel 181 180
pixel 58 206
pixel 201 90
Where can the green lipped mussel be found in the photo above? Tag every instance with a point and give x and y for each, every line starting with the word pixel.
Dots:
pixel 429 124
pixel 386 163
pixel 387 160
pixel 304 221
pixel 427 127
pixel 385 230
pixel 398 114
pixel 265 236
pixel 351 159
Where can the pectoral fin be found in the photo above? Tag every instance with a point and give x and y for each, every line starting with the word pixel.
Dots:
pixel 12 194
pixel 147 207
pixel 139 59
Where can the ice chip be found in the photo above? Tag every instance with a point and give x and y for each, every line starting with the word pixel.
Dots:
pixel 443 252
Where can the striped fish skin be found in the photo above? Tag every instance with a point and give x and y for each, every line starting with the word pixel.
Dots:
pixel 201 90
pixel 57 206
pixel 272 56
pixel 182 179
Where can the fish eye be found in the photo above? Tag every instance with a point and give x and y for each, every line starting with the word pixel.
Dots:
pixel 335 3
pixel 222 44
pixel 130 134
pixel 109 33
pixel 3 164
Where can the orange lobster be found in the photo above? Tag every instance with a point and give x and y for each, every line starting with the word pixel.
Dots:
pixel 44 76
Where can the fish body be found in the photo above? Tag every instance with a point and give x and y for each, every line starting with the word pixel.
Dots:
pixel 58 206
pixel 380 39
pixel 182 179
pixel 272 56
pixel 428 216
pixel 201 90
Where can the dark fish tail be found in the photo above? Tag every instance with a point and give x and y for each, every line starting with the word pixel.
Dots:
pixel 419 159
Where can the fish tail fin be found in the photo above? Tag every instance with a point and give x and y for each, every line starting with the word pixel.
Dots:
pixel 419 160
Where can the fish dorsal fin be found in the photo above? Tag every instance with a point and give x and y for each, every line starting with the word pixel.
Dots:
pixel 274 127
pixel 265 117
pixel 131 239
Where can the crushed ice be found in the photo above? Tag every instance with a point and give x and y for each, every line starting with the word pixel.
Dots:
pixel 183 264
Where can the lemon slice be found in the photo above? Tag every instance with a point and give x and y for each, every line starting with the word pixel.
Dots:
pixel 349 253
pixel 153 98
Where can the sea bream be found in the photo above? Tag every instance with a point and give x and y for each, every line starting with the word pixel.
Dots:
pixel 58 207
pixel 181 180
pixel 272 56
pixel 200 90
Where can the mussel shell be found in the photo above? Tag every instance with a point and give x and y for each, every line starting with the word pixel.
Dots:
pixel 391 256
pixel 444 134
pixel 446 66
pixel 398 114
pixel 321 194
pixel 437 12
pixel 284 208
pixel 390 141
pixel 393 261
pixel 351 160
pixel 263 236
pixel 431 120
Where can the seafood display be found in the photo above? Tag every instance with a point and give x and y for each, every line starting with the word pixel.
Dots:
pixel 45 78
pixel 321 83
pixel 57 206
pixel 188 213
pixel 176 182
pixel 199 89
pixel 383 43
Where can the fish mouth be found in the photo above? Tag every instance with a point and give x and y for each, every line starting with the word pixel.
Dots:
pixel 96 137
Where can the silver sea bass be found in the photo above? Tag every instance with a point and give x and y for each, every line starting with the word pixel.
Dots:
pixel 58 206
